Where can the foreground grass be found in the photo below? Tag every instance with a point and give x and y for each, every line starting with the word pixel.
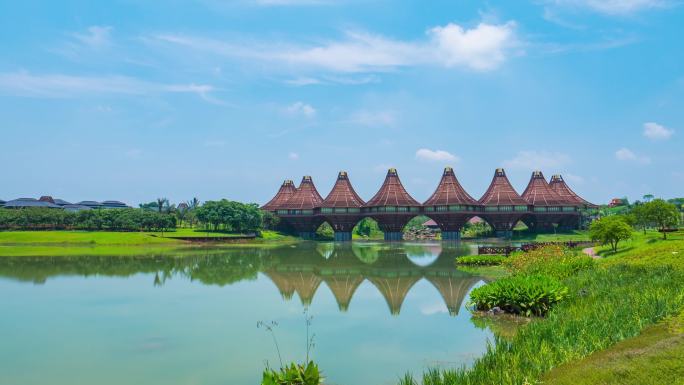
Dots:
pixel 81 237
pixel 611 302
pixel 652 358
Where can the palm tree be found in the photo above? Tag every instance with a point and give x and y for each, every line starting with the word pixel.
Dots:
pixel 161 202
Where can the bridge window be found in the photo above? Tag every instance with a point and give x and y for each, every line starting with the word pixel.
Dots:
pixel 505 208
pixel 554 209
pixel 340 210
pixel 326 210
pixel 306 212
pixel 402 209
pixel 491 208
pixel 455 208
pixel 520 208
pixel 540 209
pixel 568 208
pixel 429 209
pixel 353 210
pixel 441 208
pixel 282 212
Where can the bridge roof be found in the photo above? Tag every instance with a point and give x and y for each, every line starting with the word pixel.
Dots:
pixel 539 193
pixel 449 192
pixel 392 193
pixel 565 192
pixel 287 189
pixel 305 198
pixel 501 192
pixel 343 194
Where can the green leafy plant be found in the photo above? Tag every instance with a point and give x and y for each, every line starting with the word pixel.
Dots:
pixel 526 295
pixel 294 374
pixel 481 260
pixel 554 261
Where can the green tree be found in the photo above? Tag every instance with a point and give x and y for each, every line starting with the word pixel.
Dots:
pixel 648 197
pixel 639 216
pixel 610 230
pixel 665 215
pixel 161 202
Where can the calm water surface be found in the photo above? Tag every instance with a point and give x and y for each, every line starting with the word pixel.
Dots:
pixel 379 310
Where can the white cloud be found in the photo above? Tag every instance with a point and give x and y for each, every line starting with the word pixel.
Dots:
pixel 300 109
pixel 626 155
pixel 96 37
pixel 435 155
pixel 293 156
pixel 537 160
pixel 483 47
pixel 655 131
pixel 61 86
pixel 374 118
pixel 612 7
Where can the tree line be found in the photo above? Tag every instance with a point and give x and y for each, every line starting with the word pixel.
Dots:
pixel 38 218
pixel 223 215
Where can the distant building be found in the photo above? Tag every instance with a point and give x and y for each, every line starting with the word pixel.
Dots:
pixel 430 224
pixel 61 202
pixel 616 202
pixel 114 205
pixel 2 203
pixel 29 202
pixel 91 204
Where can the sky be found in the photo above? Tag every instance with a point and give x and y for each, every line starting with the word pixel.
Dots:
pixel 134 100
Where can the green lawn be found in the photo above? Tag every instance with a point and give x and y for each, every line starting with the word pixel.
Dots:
pixel 652 358
pixel 577 235
pixel 99 238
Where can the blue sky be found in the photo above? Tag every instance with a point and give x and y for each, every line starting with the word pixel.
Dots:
pixel 134 100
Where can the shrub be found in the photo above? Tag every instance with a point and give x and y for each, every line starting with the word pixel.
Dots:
pixel 520 294
pixel 482 260
pixel 295 374
pixel 552 261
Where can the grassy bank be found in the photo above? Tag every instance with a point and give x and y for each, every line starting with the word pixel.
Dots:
pixel 103 243
pixel 654 357
pixel 613 301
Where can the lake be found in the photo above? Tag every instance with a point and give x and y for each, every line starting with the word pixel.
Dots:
pixel 190 317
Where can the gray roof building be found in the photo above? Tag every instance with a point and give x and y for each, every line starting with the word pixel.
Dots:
pixel 62 202
pixel 75 208
pixel 91 204
pixel 114 205
pixel 29 202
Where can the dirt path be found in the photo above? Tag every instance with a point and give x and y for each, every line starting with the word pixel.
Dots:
pixel 591 252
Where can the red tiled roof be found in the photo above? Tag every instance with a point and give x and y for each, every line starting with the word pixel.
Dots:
pixel 500 192
pixel 565 192
pixel 342 194
pixel 449 192
pixel 287 189
pixel 305 198
pixel 392 193
pixel 539 193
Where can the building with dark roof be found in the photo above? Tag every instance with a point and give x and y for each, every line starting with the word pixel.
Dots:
pixel 114 205
pixel 392 206
pixel 342 207
pixel 29 202
pixel 91 204
pixel 75 208
pixel 298 210
pixel 2 203
pixel 450 206
pixel 542 206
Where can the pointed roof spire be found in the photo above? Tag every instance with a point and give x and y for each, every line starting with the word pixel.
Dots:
pixel 343 288
pixel 500 192
pixel 539 193
pixel 305 198
pixel 394 290
pixel 392 193
pixel 287 189
pixel 565 192
pixel 342 194
pixel 449 192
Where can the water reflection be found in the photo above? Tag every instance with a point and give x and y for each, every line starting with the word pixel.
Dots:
pixel 392 269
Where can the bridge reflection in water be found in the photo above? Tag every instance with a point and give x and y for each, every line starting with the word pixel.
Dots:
pixel 392 269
